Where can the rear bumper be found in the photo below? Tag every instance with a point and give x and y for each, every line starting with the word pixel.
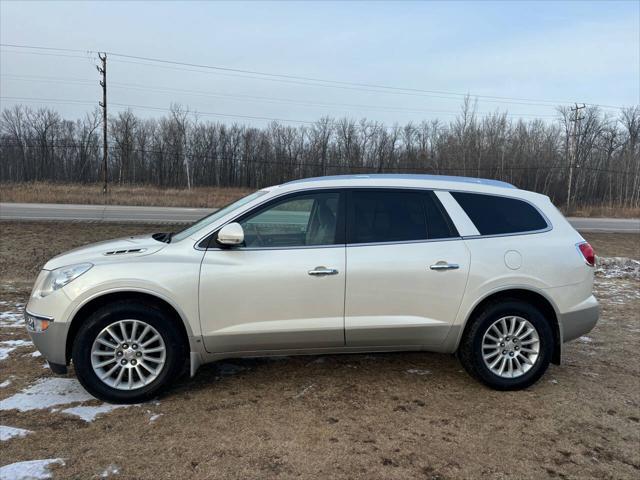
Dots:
pixel 578 322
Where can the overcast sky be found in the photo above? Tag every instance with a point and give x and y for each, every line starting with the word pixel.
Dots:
pixel 558 51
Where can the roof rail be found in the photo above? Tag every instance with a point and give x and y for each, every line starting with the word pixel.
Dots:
pixel 409 176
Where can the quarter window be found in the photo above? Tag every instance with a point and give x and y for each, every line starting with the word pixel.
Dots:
pixel 495 215
pixel 303 220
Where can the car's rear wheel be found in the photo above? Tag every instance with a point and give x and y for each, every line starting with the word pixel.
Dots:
pixel 508 345
pixel 127 352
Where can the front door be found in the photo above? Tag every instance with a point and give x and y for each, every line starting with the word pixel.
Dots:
pixel 407 269
pixel 284 288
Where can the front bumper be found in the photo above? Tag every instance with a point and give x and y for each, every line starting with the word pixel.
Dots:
pixel 581 321
pixel 52 343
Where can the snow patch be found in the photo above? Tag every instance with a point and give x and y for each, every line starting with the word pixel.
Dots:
pixel 585 339
pixel 303 392
pixel 13 318
pixel 8 346
pixel 618 267
pixel 416 371
pixel 46 393
pixel 155 417
pixel 89 413
pixel 6 383
pixel 7 433
pixel 616 291
pixel 29 470
pixel 110 470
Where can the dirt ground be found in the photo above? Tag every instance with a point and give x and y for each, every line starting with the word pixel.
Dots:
pixel 408 415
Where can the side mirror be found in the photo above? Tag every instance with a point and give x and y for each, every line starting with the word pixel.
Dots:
pixel 231 235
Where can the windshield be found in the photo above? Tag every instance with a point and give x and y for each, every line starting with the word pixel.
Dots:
pixel 208 220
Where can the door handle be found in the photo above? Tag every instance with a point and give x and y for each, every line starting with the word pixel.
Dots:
pixel 321 271
pixel 444 266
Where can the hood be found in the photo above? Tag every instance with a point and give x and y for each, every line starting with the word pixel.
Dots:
pixel 110 250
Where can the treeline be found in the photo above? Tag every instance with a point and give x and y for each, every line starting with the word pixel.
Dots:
pixel 181 150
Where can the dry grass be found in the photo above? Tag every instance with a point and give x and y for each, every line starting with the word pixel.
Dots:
pixel 200 197
pixel 143 195
pixel 614 244
pixel 604 211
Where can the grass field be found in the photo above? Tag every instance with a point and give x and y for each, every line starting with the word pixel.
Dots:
pixel 142 195
pixel 200 197
pixel 376 416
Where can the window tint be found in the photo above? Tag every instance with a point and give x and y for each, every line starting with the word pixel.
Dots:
pixel 439 224
pixel 387 216
pixel 493 215
pixel 303 220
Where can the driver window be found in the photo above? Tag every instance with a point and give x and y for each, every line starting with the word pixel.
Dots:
pixel 303 220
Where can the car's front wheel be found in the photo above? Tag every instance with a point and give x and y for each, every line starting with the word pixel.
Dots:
pixel 508 346
pixel 127 352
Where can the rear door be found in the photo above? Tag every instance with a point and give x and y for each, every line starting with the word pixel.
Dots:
pixel 406 269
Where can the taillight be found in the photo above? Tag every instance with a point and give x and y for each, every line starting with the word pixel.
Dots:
pixel 588 253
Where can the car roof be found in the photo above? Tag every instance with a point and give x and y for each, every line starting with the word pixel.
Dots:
pixel 386 179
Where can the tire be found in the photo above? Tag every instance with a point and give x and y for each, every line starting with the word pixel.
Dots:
pixel 474 346
pixel 163 357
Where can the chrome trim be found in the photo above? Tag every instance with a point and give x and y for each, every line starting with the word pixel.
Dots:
pixel 251 249
pixel 321 271
pixel 498 235
pixel 401 242
pixel 445 266
pixel 124 251
pixel 370 244
pixel 39 317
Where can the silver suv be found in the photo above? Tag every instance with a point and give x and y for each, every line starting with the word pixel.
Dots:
pixel 325 265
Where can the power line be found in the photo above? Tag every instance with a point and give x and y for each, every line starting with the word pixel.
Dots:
pixel 49 100
pixel 294 82
pixel 195 113
pixel 43 54
pixel 201 113
pixel 360 89
pixel 31 47
pixel 318 81
pixel 255 98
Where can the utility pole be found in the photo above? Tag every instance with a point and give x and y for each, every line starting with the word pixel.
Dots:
pixel 105 148
pixel 573 147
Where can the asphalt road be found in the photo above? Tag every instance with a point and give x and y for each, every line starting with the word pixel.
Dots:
pixel 117 213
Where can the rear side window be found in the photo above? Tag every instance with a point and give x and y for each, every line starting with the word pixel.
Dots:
pixel 495 215
pixel 378 216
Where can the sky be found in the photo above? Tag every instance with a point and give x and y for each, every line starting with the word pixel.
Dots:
pixel 532 55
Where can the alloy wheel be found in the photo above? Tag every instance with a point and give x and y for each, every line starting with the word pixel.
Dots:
pixel 510 347
pixel 128 354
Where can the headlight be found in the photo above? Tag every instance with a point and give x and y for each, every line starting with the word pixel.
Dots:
pixel 58 278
